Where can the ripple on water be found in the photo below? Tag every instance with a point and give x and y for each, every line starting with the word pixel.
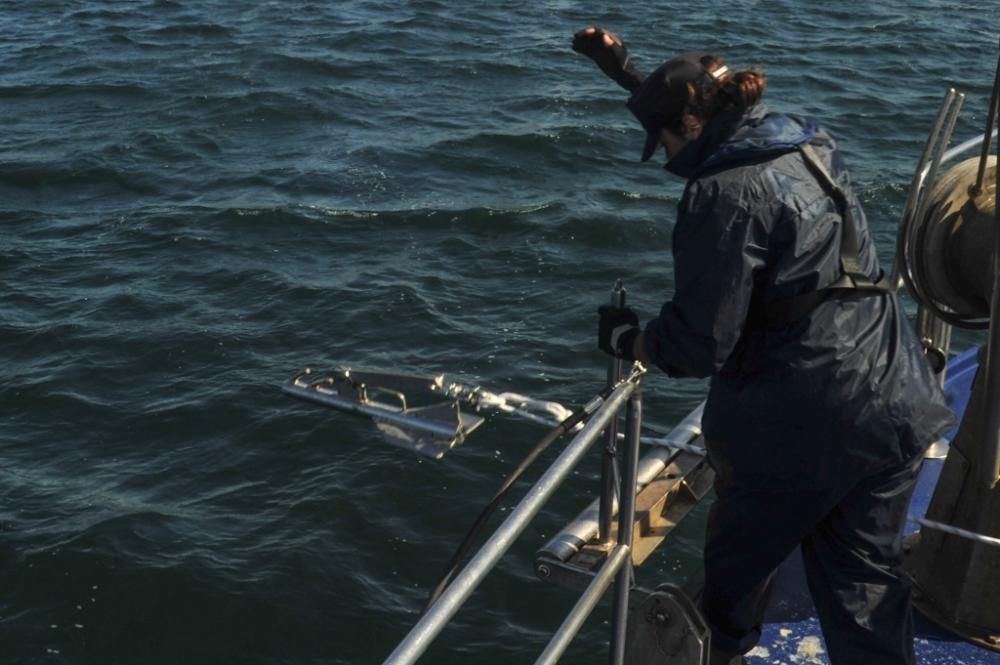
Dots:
pixel 200 199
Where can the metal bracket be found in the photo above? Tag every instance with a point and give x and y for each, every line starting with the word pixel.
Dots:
pixel 666 627
pixel 431 429
pixel 570 561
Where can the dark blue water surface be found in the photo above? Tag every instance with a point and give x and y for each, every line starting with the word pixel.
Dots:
pixel 199 198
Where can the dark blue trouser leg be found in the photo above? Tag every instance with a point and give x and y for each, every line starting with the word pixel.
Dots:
pixel 851 546
pixel 748 535
pixel 852 560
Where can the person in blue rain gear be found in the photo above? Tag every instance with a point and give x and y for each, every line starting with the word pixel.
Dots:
pixel 821 403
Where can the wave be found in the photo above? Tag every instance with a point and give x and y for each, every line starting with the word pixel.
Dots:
pixel 75 90
pixel 212 30
pixel 323 67
pixel 88 175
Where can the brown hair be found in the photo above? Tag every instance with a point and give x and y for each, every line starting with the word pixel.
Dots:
pixel 732 91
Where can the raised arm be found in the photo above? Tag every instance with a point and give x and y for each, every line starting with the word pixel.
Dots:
pixel 610 54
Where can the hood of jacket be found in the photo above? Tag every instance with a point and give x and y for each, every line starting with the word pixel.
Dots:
pixel 732 138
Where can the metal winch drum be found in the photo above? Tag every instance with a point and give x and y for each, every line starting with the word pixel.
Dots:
pixel 952 258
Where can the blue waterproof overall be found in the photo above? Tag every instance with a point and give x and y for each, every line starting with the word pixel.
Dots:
pixel 815 427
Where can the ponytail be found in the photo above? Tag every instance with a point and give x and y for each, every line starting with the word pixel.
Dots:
pixel 727 91
pixel 743 89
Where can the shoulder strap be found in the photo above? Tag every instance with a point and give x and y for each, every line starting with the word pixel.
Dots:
pixel 852 276
pixel 850 262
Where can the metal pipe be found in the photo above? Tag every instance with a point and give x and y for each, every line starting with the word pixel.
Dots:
pixel 991 117
pixel 431 624
pixel 996 281
pixel 626 525
pixel 939 152
pixel 965 145
pixel 916 185
pixel 991 466
pixel 915 225
pixel 584 606
pixel 607 497
pixel 991 461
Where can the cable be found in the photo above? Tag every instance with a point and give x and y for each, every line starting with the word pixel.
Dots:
pixel 567 424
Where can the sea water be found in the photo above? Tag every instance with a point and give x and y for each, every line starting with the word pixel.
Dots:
pixel 197 199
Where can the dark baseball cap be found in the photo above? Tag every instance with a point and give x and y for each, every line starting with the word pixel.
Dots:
pixel 661 98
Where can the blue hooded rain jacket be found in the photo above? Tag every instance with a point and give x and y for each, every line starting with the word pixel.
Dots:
pixel 836 395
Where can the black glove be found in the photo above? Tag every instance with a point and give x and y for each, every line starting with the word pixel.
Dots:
pixel 612 59
pixel 617 330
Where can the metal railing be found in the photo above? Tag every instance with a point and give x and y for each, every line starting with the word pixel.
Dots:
pixel 605 518
pixel 617 567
